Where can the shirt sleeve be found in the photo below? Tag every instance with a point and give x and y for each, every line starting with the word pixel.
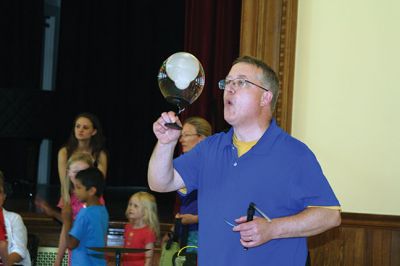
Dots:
pixel 189 166
pixel 79 226
pixel 310 186
pixel 19 236
pixel 336 208
pixel 150 236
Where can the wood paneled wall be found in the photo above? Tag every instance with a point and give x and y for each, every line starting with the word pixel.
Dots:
pixel 361 240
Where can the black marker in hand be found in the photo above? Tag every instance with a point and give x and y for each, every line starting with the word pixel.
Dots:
pixel 250 215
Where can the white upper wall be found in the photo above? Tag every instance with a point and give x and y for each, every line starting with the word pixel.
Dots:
pixel 347 98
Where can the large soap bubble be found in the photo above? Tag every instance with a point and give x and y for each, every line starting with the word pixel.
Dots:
pixel 181 79
pixel 182 68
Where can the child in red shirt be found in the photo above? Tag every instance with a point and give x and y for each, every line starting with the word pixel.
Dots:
pixel 142 230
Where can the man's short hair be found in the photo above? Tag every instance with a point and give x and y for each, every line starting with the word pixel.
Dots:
pixel 92 177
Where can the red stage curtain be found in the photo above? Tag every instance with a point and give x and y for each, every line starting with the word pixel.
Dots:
pixel 212 34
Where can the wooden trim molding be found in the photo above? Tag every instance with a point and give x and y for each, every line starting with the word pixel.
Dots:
pixel 268 32
pixel 391 222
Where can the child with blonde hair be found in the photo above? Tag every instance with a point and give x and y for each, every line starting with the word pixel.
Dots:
pixel 142 230
pixel 77 162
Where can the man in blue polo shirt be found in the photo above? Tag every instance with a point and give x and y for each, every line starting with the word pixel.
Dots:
pixel 254 162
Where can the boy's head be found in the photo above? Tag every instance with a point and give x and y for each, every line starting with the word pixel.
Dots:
pixel 90 180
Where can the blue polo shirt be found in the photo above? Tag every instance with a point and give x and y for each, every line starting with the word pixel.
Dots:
pixel 189 206
pixel 279 174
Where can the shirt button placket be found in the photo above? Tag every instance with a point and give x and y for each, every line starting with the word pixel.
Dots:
pixel 233 149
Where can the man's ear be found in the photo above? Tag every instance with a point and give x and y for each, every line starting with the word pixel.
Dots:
pixel 266 98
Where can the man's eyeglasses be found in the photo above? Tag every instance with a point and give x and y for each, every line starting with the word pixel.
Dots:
pixel 237 83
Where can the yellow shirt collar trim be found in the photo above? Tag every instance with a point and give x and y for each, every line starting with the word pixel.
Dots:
pixel 243 146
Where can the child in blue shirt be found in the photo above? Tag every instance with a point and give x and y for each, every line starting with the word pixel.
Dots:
pixel 90 226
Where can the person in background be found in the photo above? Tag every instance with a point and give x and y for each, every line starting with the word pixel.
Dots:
pixel 76 163
pixel 13 234
pixel 194 130
pixel 142 230
pixel 86 137
pixel 91 224
pixel 255 163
